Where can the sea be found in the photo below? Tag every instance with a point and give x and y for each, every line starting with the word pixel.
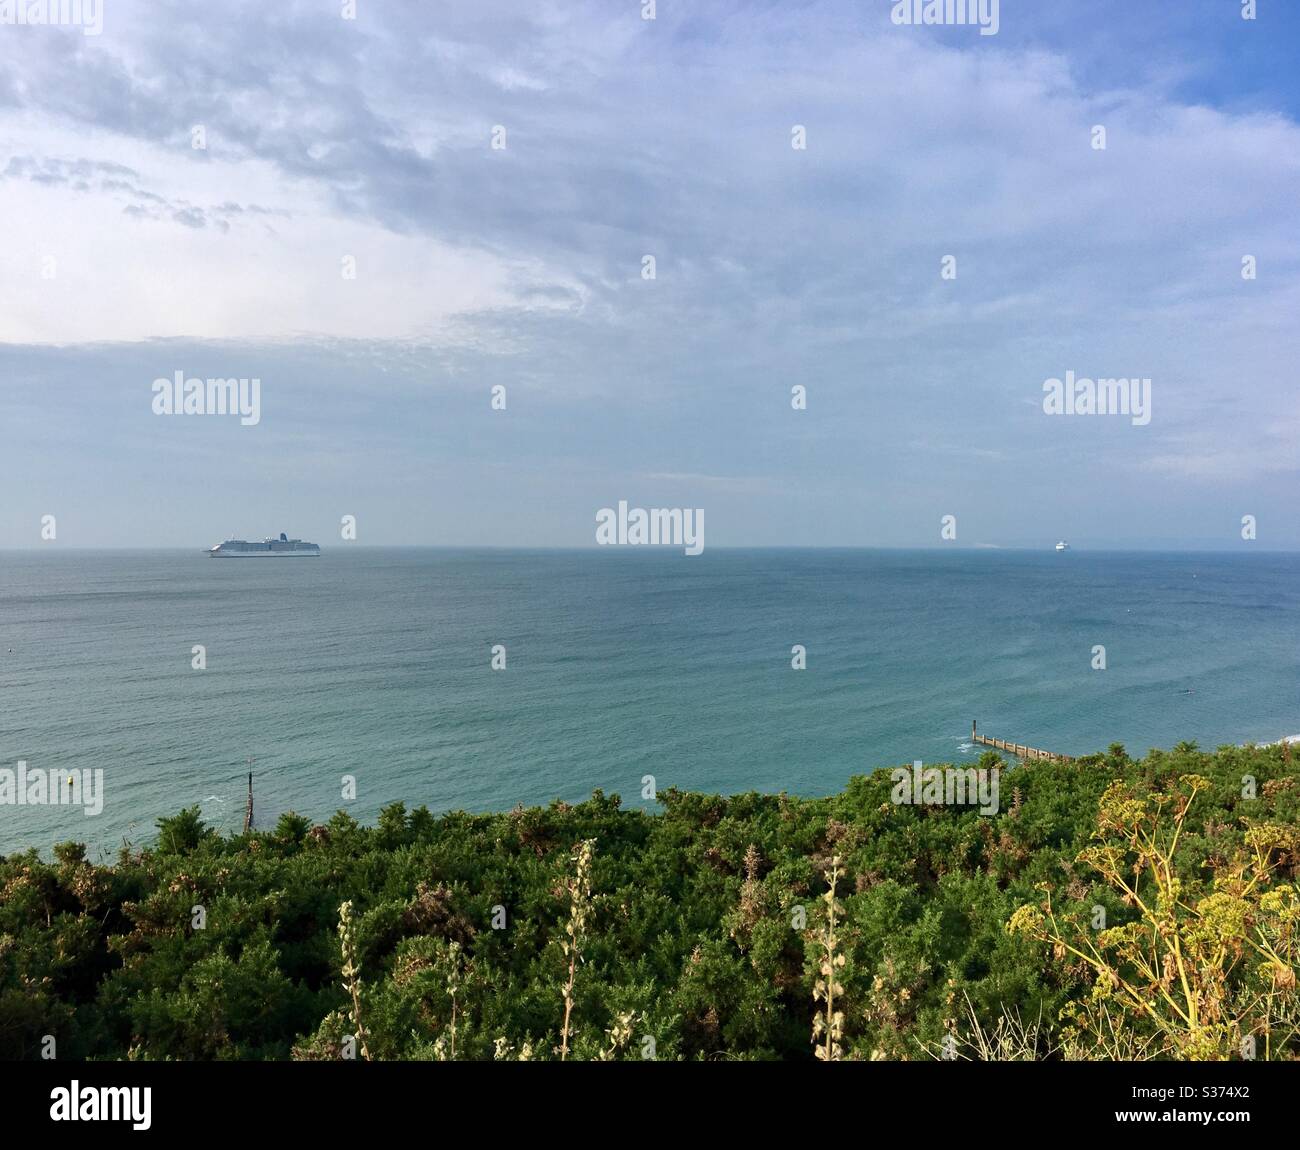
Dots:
pixel 611 665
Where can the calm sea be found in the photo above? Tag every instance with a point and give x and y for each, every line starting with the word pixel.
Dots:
pixel 619 663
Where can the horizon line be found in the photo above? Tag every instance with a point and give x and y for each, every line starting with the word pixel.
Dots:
pixel 670 548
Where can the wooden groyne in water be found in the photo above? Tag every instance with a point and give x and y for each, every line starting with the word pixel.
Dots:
pixel 1018 749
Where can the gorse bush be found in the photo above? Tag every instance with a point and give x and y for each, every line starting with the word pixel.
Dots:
pixel 712 928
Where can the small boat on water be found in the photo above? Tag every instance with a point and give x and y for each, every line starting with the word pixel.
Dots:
pixel 1063 546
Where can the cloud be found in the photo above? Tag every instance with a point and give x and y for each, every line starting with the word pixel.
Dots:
pixel 370 140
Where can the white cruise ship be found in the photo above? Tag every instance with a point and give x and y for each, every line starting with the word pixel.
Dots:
pixel 268 548
pixel 1063 546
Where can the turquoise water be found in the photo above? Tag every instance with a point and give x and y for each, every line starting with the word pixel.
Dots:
pixel 620 663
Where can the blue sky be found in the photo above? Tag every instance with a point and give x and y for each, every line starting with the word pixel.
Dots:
pixel 371 138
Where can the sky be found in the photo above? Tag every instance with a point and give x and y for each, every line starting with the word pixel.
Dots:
pixel 333 145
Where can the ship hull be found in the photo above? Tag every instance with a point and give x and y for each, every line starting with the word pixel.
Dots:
pixel 264 554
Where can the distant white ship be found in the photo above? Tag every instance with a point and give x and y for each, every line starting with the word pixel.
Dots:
pixel 1063 546
pixel 268 548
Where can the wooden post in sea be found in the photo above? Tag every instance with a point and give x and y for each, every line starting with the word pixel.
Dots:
pixel 248 813
pixel 972 730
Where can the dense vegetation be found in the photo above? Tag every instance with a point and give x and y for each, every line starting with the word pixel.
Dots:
pixel 704 930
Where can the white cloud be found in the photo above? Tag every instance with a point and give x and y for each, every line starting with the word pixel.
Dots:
pixel 225 249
